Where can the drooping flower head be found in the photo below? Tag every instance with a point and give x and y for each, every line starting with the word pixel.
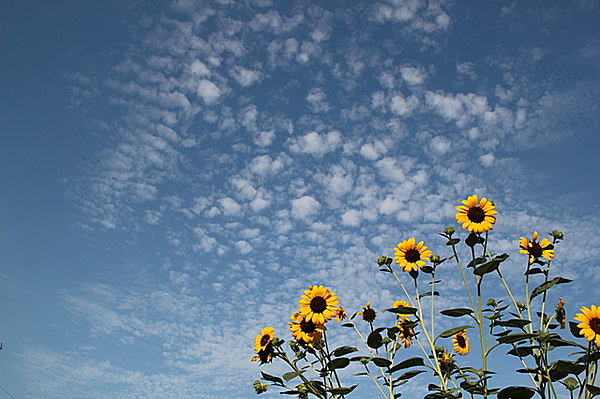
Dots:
pixel 589 323
pixel 367 313
pixel 406 333
pixel 263 345
pixel 340 314
pixel 411 256
pixel 266 336
pixel 476 216
pixel 401 316
pixel 318 304
pixel 460 343
pixel 535 249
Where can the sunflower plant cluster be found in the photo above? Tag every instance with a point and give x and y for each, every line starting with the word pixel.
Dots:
pixel 521 325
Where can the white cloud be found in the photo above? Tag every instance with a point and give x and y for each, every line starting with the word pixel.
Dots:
pixel 264 138
pixel 198 68
pixel 351 218
pixel 243 247
pixel 245 77
pixel 305 207
pixel 403 105
pixel 440 144
pixel 230 207
pixel 374 150
pixel 487 159
pixel 316 144
pixel 208 91
pixel 263 165
pixel 412 75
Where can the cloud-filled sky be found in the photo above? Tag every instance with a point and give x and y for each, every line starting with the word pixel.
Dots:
pixel 174 173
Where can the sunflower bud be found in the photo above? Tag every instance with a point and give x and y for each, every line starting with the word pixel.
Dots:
pixel 435 259
pixel 449 231
pixel 381 260
pixel 557 234
pixel 259 387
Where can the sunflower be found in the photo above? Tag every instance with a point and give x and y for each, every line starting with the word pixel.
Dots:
pixel 461 343
pixel 263 339
pixel 305 331
pixel 406 333
pixel 340 314
pixel 367 313
pixel 411 256
pixel 318 304
pixel 535 249
pixel 590 323
pixel 401 316
pixel 475 215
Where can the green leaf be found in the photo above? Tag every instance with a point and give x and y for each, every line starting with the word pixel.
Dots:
pixel 556 342
pixel 516 393
pixel 348 325
pixel 271 378
pixel 291 375
pixel 409 374
pixel 487 267
pixel 381 362
pixel 570 383
pixel 429 293
pixel 522 351
pixel 508 339
pixel 338 363
pixel 547 285
pixel 343 350
pixel 594 390
pixel 534 270
pixel 453 241
pixel 476 261
pixel 315 387
pixel 520 323
pixel 457 312
pixel 452 331
pixel 402 310
pixel 575 331
pixel 473 239
pixel 375 340
pixel 342 390
pixel 412 362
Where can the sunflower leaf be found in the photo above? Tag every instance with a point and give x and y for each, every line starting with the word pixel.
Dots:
pixel 412 362
pixel 381 362
pixel 271 378
pixel 343 350
pixel 476 261
pixel 594 390
pixel 516 393
pixel 508 339
pixel 429 293
pixel 534 270
pixel 409 374
pixel 575 331
pixel 453 241
pixel 519 323
pixel 522 351
pixel 547 285
pixel 402 310
pixel 374 340
pixel 452 331
pixel 457 312
pixel 339 363
pixel 292 374
pixel 342 390
pixel 487 267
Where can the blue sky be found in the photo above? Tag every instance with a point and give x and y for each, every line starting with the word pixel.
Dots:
pixel 175 173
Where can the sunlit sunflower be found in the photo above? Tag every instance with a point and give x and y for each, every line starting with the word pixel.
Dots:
pixel 401 316
pixel 460 343
pixel 476 216
pixel 411 256
pixel 535 249
pixel 263 339
pixel 318 304
pixel 406 333
pixel 446 357
pixel 305 331
pixel 340 314
pixel 367 313
pixel 590 323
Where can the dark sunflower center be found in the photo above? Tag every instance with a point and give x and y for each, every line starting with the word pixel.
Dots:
pixel 535 249
pixel 461 341
pixel 476 214
pixel 318 304
pixel 595 325
pixel 412 255
pixel 307 326
pixel 369 314
pixel 265 340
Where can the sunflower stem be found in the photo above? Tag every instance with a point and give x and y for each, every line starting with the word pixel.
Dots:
pixel 429 339
pixel 408 297
pixel 328 353
pixel 462 275
pixel 383 394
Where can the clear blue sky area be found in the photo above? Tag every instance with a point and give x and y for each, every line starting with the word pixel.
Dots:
pixel 174 173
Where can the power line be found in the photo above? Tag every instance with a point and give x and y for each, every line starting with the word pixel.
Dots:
pixel 8 393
